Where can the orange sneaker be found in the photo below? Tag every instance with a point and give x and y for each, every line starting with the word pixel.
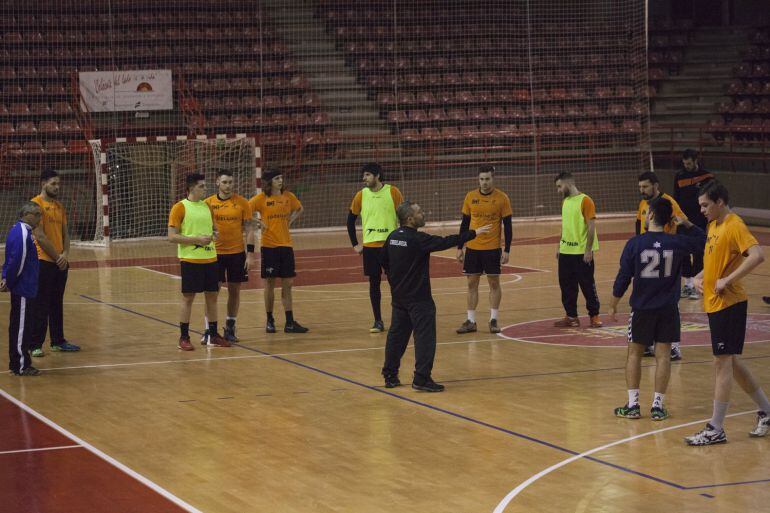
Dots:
pixel 567 322
pixel 595 322
pixel 185 344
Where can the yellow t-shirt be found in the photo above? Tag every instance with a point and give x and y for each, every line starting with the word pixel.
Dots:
pixel 275 211
pixel 644 205
pixel 725 246
pixel 229 215
pixel 175 219
pixel 485 209
pixel 355 207
pixel 53 222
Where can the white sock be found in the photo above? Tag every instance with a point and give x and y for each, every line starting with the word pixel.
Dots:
pixel 633 397
pixel 761 399
pixel 205 323
pixel 657 400
pixel 472 315
pixel 492 313
pixel 230 318
pixel 718 417
pixel 688 282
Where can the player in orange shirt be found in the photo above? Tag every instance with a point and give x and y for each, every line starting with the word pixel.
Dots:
pixel 53 247
pixel 232 219
pixel 277 209
pixel 732 252
pixel 483 255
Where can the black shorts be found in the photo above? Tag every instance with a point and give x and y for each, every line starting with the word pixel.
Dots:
pixel 199 277
pixel 659 325
pixel 728 329
pixel 482 261
pixel 232 268
pixel 372 261
pixel 277 262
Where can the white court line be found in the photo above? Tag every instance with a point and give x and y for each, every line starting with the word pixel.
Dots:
pixel 42 449
pixel 174 276
pixel 109 459
pixel 516 491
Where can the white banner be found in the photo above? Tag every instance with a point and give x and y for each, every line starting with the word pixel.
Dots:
pixel 110 91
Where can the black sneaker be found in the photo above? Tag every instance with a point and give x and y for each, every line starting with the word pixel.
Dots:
pixel 270 326
pixel 392 382
pixel 378 327
pixel 649 351
pixel 428 386
pixel 230 335
pixel 493 327
pixel 29 371
pixel 295 327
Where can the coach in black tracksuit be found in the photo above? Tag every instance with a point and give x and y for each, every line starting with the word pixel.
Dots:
pixel 406 260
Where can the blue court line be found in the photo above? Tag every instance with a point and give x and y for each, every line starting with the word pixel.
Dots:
pixel 435 408
pixel 737 483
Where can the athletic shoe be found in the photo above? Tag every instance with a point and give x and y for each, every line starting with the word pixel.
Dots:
pixel 595 322
pixel 392 382
pixel 766 299
pixel 204 337
pixel 649 351
pixel 230 335
pixel 707 436
pixel 628 412
pixel 216 340
pixel 37 352
pixel 29 371
pixel 493 327
pixel 567 322
pixel 65 347
pixel 377 327
pixel 658 413
pixel 694 294
pixel 185 344
pixel 763 424
pixel 428 386
pixel 686 291
pixel 467 327
pixel 295 327
pixel 270 326
pixel 676 354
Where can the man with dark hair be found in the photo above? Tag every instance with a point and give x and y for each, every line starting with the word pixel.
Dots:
pixel 731 253
pixel 278 209
pixel 686 183
pixel 20 277
pixel 191 227
pixel 654 261
pixel 376 204
pixel 406 259
pixel 232 221
pixel 53 246
pixel 486 205
pixel 576 252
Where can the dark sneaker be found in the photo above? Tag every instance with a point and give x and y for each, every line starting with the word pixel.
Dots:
pixel 707 436
pixel 676 354
pixel 428 386
pixel 392 382
pixel 567 322
pixel 65 346
pixel 658 413
pixel 31 371
pixel 766 299
pixel 230 335
pixel 628 412
pixel 216 340
pixel 649 351
pixel 686 291
pixel 205 337
pixel 185 344
pixel 493 327
pixel 467 327
pixel 763 424
pixel 295 327
pixel 270 327
pixel 377 327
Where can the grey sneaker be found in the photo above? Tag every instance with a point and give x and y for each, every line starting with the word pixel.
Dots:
pixel 707 436
pixel 694 294
pixel 467 327
pixel 763 425
pixel 493 327
pixel 686 291
pixel 676 354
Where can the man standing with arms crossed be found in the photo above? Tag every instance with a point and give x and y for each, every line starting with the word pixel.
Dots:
pixel 191 227
pixel 376 204
pixel 731 253
pixel 232 219
pixel 576 252
pixel 482 255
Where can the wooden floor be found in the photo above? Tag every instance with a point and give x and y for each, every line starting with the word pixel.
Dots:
pixel 301 423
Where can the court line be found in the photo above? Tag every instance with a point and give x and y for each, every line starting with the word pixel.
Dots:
pixel 42 449
pixel 174 276
pixel 720 485
pixel 516 491
pixel 109 459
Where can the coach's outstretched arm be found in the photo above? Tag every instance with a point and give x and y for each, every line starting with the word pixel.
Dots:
pixel 432 243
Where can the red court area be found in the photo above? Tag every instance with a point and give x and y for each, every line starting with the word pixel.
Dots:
pixel 43 470
pixel 695 331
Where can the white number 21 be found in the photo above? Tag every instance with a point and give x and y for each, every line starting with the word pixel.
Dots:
pixel 652 259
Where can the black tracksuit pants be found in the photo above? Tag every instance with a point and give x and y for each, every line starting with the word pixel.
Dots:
pixel 574 273
pixel 419 318
pixel 48 306
pixel 19 334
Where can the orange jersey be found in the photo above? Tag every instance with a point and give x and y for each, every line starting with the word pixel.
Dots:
pixel 644 205
pixel 485 209
pixel 275 211
pixel 355 207
pixel 229 217
pixel 53 223
pixel 725 246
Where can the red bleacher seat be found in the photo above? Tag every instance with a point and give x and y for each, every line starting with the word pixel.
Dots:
pixel 55 146
pixel 48 127
pixel 69 126
pixel 437 115
pixel 7 129
pixel 26 128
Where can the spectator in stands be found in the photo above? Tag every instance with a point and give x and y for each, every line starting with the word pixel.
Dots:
pixel 686 194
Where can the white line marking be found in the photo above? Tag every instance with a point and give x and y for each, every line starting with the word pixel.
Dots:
pixel 42 449
pixel 174 276
pixel 516 491
pixel 109 459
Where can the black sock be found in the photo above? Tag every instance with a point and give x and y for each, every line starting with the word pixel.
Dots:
pixel 289 317
pixel 213 327
pixel 184 327
pixel 230 323
pixel 270 317
pixel 375 296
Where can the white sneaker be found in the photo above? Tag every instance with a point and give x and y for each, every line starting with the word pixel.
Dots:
pixel 686 291
pixel 707 436
pixel 763 424
pixel 694 294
